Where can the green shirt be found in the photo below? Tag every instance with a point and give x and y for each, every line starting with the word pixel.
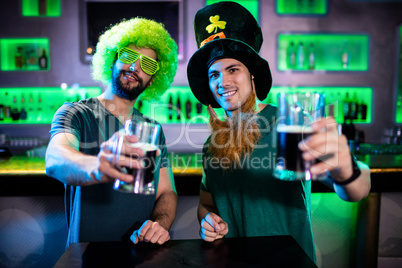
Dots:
pixel 252 201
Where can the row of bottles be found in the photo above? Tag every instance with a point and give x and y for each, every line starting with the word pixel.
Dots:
pixel 304 58
pixel 37 106
pixel 344 105
pixel 26 59
pixel 301 6
pixel 176 107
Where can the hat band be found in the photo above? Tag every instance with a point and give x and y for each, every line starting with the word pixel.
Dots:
pixel 212 37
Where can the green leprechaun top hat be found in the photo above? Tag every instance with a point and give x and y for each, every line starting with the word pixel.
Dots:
pixel 226 30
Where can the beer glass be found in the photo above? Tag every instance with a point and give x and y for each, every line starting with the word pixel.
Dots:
pixel 148 136
pixel 296 113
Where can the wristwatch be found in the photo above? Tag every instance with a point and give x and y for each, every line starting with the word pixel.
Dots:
pixel 355 175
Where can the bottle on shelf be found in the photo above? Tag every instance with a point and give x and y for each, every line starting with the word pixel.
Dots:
pixel 178 107
pixel 363 111
pixel 300 56
pixel 188 108
pixel 346 108
pixel 30 106
pixel 19 59
pixel 43 60
pixel 291 56
pixel 311 6
pixel 345 56
pixel 39 110
pixel 331 105
pixel 354 107
pixel 2 112
pixel 311 57
pixel 170 108
pixel 7 106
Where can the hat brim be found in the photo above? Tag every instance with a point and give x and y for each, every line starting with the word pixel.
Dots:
pixel 197 68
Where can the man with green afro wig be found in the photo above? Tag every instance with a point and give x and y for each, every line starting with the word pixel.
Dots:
pixel 142 33
pixel 134 57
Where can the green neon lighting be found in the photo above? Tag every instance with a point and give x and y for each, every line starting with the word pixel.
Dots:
pixel 40 103
pixel 41 8
pixel 398 110
pixel 329 52
pixel 335 98
pixel 181 98
pixel 250 5
pixel 302 7
pixel 31 51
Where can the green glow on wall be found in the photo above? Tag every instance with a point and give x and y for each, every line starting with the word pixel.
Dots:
pixel 302 7
pixel 31 51
pixel 250 5
pixel 41 8
pixel 328 50
pixel 40 103
pixel 334 99
pixel 181 99
pixel 398 109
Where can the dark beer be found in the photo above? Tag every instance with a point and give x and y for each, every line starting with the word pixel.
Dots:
pixel 290 164
pixel 144 177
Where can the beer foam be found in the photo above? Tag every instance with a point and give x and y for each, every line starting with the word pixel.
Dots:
pixel 145 146
pixel 294 129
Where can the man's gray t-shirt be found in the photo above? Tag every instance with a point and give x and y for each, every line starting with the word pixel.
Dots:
pixel 97 212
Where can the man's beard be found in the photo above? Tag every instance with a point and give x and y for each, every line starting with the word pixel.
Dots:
pixel 236 136
pixel 124 91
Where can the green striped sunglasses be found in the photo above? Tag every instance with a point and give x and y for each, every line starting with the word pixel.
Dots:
pixel 129 56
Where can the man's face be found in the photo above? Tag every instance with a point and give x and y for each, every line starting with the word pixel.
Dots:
pixel 129 84
pixel 230 83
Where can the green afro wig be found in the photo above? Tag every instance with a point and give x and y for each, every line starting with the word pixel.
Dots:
pixel 143 33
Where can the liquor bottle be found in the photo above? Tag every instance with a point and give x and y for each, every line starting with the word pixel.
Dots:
pixel 311 6
pixel 346 107
pixel 42 7
pixel 345 57
pixel 331 105
pixel 19 58
pixel 311 57
pixel 14 113
pixel 43 61
pixel 188 108
pixel 7 106
pixel 198 109
pixel 1 112
pixel 354 107
pixel 363 111
pixel 23 112
pixel 170 108
pixel 39 108
pixel 300 56
pixel 30 107
pixel 178 107
pixel 291 56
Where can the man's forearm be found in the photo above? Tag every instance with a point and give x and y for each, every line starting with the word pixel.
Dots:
pixel 165 209
pixel 71 167
pixel 358 189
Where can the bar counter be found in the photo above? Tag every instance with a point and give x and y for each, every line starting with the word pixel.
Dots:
pixel 25 176
pixel 386 172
